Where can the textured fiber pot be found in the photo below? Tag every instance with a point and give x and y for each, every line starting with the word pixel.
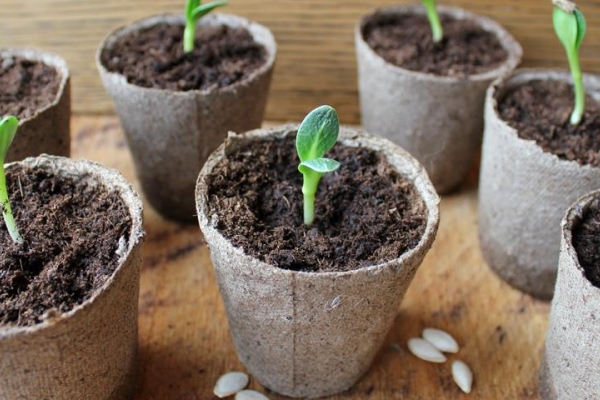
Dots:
pixel 91 351
pixel 312 334
pixel 571 364
pixel 47 130
pixel 437 119
pixel 524 192
pixel 170 134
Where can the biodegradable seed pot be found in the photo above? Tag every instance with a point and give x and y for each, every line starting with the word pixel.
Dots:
pixel 68 308
pixel 309 306
pixel 571 363
pixel 532 169
pixel 35 87
pixel 429 97
pixel 176 108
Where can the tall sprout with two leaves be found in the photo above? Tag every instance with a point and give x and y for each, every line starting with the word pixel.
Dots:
pixel 194 10
pixel 570 26
pixel 434 20
pixel 8 129
pixel 316 136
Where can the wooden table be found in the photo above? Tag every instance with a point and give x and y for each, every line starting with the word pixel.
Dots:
pixel 184 339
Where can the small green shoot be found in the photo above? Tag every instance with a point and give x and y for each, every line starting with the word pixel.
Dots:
pixel 316 136
pixel 194 10
pixel 8 129
pixel 434 20
pixel 570 26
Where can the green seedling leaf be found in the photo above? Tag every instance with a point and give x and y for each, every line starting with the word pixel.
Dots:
pixel 317 133
pixel 321 165
pixel 570 27
pixel 434 20
pixel 202 10
pixel 8 129
pixel 194 10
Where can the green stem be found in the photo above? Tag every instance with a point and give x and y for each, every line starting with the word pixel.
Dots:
pixel 434 21
pixel 188 36
pixel 309 190
pixel 9 220
pixel 579 108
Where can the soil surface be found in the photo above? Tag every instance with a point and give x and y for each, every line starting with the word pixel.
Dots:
pixel 540 110
pixel 586 240
pixel 406 41
pixel 154 58
pixel 366 213
pixel 71 233
pixel 26 86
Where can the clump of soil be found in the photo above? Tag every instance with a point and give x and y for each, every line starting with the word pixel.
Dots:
pixel 366 213
pixel 540 110
pixel 71 232
pixel 586 240
pixel 26 86
pixel 406 41
pixel 154 58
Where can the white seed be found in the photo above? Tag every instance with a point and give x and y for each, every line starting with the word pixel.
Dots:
pixel 230 383
pixel 425 350
pixel 250 395
pixel 440 340
pixel 462 376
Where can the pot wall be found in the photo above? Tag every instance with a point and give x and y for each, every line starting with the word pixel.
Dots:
pixel 312 334
pixel 524 192
pixel 571 363
pixel 171 134
pixel 91 351
pixel 47 130
pixel 439 120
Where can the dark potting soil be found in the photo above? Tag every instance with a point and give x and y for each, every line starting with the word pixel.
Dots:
pixel 154 58
pixel 366 213
pixel 586 240
pixel 406 41
pixel 26 86
pixel 540 110
pixel 71 233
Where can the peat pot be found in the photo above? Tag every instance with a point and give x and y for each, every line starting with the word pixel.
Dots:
pixel 312 334
pixel 171 133
pixel 437 119
pixel 89 352
pixel 46 129
pixel 524 192
pixel 571 363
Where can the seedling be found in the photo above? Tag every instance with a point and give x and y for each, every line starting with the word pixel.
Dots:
pixel 570 26
pixel 316 136
pixel 194 10
pixel 434 20
pixel 8 129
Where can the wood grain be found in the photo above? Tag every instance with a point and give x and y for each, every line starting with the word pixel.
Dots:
pixel 316 62
pixel 185 344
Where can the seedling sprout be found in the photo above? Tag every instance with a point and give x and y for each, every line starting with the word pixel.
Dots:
pixel 194 10
pixel 316 136
pixel 434 20
pixel 8 129
pixel 570 26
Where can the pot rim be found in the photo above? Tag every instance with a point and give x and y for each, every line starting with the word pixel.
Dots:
pixel 260 33
pixel 572 216
pixel 502 84
pixel 349 136
pixel 50 59
pixel 130 198
pixel 509 43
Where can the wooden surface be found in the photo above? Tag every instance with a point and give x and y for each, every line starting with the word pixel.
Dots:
pixel 316 62
pixel 185 344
